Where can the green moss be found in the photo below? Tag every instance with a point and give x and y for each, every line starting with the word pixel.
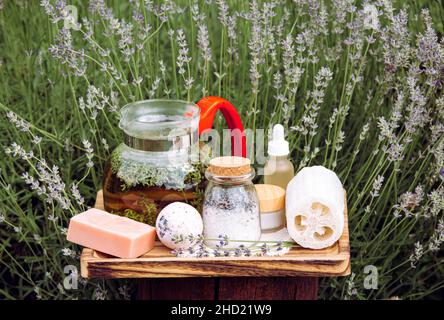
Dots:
pixel 138 173
pixel 148 215
pixel 194 177
pixel 150 211
pixel 198 202
pixel 116 161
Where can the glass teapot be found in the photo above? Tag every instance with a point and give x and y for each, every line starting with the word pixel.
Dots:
pixel 159 161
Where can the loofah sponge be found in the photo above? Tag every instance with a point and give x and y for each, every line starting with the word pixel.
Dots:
pixel 315 207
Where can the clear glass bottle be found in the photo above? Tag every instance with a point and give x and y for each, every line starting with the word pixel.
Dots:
pixel 278 169
pixel 231 208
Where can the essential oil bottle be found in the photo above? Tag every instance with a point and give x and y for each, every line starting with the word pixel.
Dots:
pixel 278 169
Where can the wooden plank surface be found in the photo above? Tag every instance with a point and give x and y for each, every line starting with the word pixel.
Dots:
pixel 160 263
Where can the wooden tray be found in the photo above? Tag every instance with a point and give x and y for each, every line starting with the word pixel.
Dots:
pixel 160 263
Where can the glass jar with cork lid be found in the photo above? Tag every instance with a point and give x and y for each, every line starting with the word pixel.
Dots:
pixel 231 206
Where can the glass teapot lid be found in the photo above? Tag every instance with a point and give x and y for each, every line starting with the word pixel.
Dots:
pixel 160 125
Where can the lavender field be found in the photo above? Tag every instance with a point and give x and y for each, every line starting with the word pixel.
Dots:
pixel 358 85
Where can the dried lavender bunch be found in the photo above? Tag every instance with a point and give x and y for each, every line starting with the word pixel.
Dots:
pixel 198 249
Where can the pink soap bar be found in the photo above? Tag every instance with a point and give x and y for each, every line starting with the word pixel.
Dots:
pixel 111 234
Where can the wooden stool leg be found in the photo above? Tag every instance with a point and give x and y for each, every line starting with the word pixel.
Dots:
pixel 300 288
pixel 241 288
pixel 177 289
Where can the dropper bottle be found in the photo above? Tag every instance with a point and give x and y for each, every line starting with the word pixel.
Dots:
pixel 278 169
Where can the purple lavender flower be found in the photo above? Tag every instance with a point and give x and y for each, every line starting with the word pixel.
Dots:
pixel 64 51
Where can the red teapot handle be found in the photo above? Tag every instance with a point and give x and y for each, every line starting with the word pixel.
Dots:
pixel 208 109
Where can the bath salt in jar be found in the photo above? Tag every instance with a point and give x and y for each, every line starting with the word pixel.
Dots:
pixel 231 206
pixel 272 206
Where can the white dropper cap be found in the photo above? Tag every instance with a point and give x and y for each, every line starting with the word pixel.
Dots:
pixel 278 146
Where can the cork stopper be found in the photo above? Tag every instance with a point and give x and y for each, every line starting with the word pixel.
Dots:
pixel 229 166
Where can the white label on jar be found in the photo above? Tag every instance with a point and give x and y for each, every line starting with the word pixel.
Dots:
pixel 272 220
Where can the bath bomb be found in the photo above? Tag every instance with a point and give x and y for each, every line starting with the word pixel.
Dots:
pixel 175 220
pixel 315 203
